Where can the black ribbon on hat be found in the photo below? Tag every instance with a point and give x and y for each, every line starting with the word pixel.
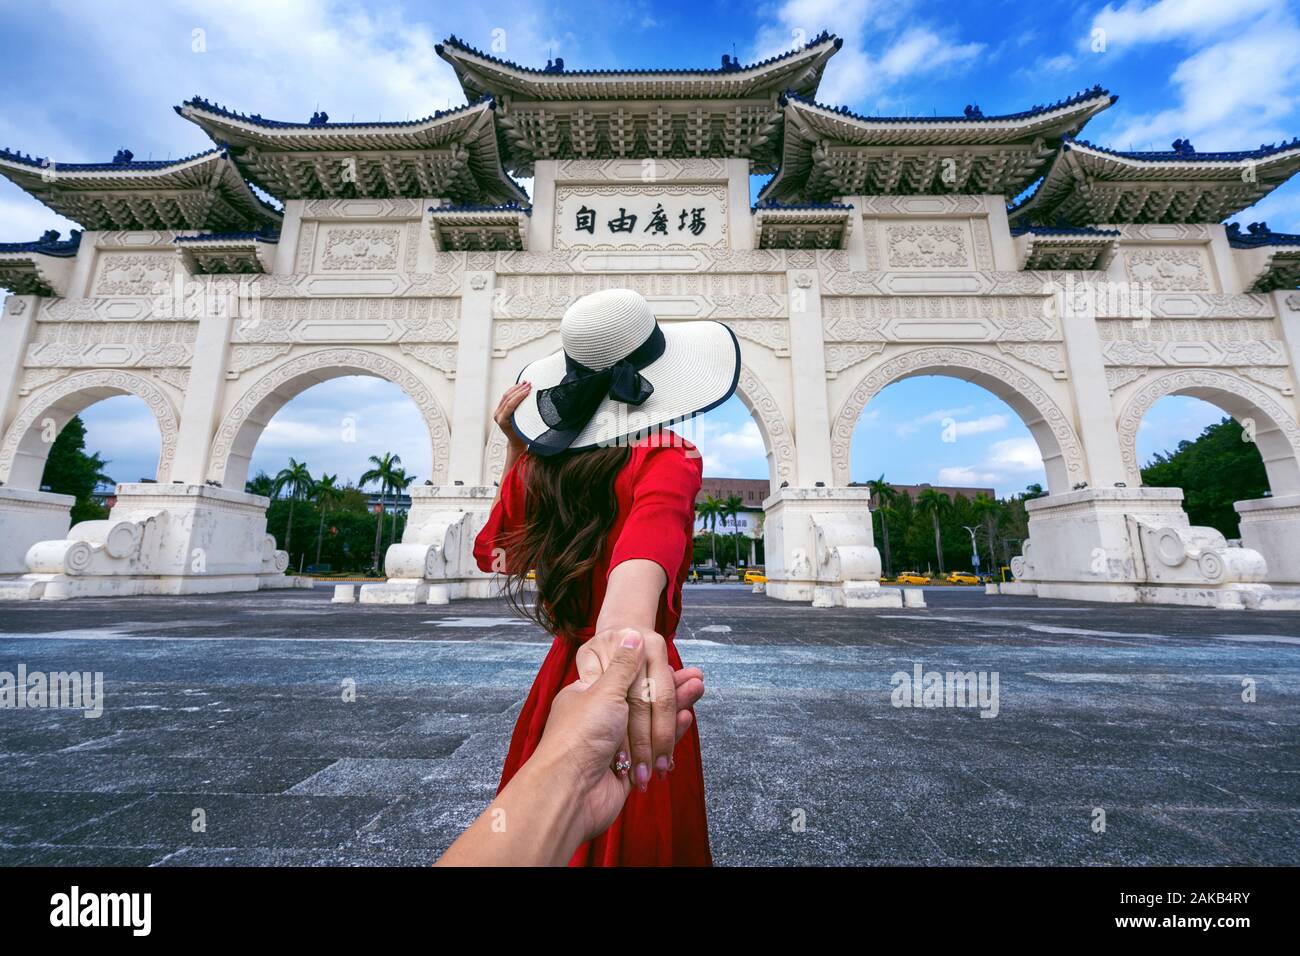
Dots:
pixel 569 405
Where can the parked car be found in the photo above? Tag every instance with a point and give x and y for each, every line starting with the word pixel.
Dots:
pixel 962 577
pixel 703 571
pixel 753 576
pixel 912 577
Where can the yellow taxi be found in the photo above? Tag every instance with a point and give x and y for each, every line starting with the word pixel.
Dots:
pixel 911 577
pixel 962 577
pixel 755 577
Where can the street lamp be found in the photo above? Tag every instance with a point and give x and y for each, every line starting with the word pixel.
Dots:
pixel 974 548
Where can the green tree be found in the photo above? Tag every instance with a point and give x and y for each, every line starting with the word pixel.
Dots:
pixel 381 473
pixel 731 508
pixel 326 495
pixel 1220 467
pixel 935 504
pixel 401 481
pixel 261 484
pixel 885 495
pixel 709 509
pixel 70 471
pixel 297 481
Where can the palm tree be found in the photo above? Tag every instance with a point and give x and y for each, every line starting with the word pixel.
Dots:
pixel 400 482
pixel 1033 491
pixel 987 511
pixel 297 480
pixel 885 495
pixel 327 494
pixel 381 473
pixel 935 503
pixel 731 508
pixel 708 509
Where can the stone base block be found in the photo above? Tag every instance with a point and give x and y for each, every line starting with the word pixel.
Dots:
pixel 1271 526
pixel 871 594
pixel 816 540
pixel 161 539
pixel 1131 546
pixel 913 597
pixel 27 517
pixel 344 594
pixel 395 591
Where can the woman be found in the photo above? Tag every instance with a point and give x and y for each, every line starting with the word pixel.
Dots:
pixel 597 498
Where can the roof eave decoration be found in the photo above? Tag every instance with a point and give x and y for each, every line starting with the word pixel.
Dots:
pixel 830 151
pixel 1266 260
pixel 800 69
pixel 469 228
pixel 802 226
pixel 204 191
pixel 244 253
pixel 1062 248
pixel 451 154
pixel 1089 184
pixel 43 267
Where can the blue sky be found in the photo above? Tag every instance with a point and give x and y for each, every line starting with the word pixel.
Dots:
pixel 81 80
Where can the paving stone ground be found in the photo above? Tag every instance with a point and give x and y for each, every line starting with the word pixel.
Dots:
pixel 232 705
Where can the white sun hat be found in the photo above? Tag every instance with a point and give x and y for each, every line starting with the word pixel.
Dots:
pixel 621 375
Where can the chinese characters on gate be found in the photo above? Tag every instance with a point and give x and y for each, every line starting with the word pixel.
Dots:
pixel 692 220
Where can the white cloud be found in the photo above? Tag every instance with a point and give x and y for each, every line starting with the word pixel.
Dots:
pixel 729 450
pixel 1137 22
pixel 961 475
pixel 961 427
pixel 1236 91
pixel 855 74
pixel 1015 455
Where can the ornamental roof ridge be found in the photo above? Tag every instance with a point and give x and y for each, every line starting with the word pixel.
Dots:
pixel 735 67
pixel 774 206
pixel 973 113
pixel 270 236
pixel 1258 234
pixel 1187 153
pixel 49 244
pixel 40 162
pixel 256 119
pixel 1063 231
pixel 473 207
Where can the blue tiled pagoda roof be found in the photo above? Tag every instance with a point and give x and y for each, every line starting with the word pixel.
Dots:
pixel 455 41
pixel 48 245
pixel 256 119
pixel 40 162
pixel 973 114
pixel 1258 234
pixel 1188 154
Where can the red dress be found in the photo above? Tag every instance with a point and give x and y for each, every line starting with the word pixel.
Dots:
pixel 656 520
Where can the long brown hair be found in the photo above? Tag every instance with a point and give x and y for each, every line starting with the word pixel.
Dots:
pixel 569 507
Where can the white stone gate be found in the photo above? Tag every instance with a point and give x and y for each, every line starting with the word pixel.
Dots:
pixel 882 248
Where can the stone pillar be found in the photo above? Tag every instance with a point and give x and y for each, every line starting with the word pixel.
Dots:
pixel 471 398
pixel 17 321
pixel 206 388
pixel 1271 526
pixel 812 420
pixel 543 217
pixel 1091 397
pixel 741 219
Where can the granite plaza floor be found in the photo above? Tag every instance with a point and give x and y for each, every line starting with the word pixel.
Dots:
pixel 232 705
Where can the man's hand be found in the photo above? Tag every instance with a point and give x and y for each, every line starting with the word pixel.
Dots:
pixel 659 701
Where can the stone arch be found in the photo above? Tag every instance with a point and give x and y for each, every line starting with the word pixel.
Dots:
pixel 762 405
pixel 1277 435
pixel 1063 458
pixel 24 448
pixel 236 437
pixel 777 438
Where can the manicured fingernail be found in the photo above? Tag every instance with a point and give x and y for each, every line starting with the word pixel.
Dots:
pixel 661 768
pixel 642 776
pixel 632 640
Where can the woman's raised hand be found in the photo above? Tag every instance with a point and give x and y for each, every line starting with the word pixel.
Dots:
pixel 659 700
pixel 505 410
